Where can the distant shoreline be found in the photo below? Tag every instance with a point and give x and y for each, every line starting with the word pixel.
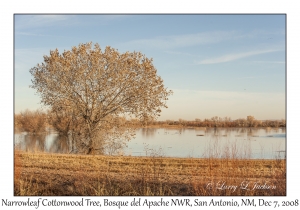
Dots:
pixel 198 127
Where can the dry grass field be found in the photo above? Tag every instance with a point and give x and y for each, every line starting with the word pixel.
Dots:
pixel 41 174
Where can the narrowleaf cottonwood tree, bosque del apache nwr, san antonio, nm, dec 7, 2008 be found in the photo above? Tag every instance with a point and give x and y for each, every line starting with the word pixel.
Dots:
pixel 93 91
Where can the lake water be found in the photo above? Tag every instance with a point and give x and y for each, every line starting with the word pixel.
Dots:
pixel 253 143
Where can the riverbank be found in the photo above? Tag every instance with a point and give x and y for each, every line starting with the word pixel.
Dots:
pixel 58 174
pixel 178 126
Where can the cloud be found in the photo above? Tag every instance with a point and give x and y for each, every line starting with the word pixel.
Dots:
pixel 33 21
pixel 235 56
pixel 180 53
pixel 23 22
pixel 203 38
pixel 249 77
pixel 184 40
pixel 273 62
pixel 37 34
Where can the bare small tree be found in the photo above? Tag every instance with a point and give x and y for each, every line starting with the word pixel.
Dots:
pixel 97 89
pixel 31 121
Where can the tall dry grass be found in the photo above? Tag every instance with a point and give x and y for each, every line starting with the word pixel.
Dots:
pixel 231 166
pixel 17 168
pixel 155 175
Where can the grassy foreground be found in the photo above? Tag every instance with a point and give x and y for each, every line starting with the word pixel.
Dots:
pixel 43 174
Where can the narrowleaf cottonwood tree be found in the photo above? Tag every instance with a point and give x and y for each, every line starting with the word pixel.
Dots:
pixel 99 89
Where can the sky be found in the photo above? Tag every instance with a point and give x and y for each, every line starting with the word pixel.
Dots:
pixel 216 65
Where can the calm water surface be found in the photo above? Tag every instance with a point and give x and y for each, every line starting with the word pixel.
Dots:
pixel 251 143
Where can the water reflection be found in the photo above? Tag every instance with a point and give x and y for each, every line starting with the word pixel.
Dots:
pixel 148 132
pixel 60 144
pixel 30 142
pixel 185 142
pixel 50 142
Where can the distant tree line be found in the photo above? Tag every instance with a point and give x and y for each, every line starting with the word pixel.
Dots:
pixel 38 121
pixel 216 121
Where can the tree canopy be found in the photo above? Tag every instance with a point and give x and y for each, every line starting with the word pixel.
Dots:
pixel 96 89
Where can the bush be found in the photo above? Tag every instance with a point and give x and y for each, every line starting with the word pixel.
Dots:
pixel 31 121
